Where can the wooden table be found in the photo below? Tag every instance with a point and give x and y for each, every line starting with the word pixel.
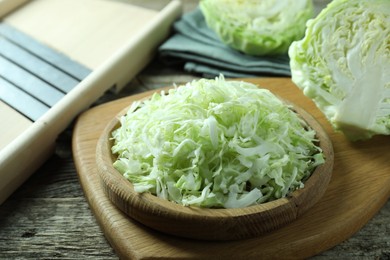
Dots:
pixel 49 218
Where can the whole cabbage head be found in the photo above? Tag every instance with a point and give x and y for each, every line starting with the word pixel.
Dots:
pixel 258 27
pixel 343 65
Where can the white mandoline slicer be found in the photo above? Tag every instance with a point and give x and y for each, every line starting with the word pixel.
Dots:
pixel 56 58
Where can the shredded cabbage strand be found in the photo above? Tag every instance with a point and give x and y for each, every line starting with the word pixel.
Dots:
pixel 215 143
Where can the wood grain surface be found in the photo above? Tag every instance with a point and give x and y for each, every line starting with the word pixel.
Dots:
pixel 360 186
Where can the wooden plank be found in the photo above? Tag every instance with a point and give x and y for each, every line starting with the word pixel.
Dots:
pixel 359 187
pixel 31 237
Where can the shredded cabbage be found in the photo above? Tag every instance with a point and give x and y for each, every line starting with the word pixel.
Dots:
pixel 343 64
pixel 215 143
pixel 258 27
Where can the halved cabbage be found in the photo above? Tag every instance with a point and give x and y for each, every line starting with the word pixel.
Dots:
pixel 343 64
pixel 258 27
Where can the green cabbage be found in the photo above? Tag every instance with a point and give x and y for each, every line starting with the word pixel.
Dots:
pixel 258 27
pixel 215 143
pixel 343 64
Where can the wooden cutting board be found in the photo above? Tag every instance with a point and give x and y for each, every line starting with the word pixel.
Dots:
pixel 359 187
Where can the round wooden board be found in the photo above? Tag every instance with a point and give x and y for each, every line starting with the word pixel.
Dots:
pixel 359 187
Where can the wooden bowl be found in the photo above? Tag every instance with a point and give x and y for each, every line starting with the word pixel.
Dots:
pixel 212 224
